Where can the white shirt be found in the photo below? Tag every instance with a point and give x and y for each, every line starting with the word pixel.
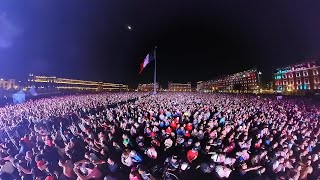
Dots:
pixel 7 168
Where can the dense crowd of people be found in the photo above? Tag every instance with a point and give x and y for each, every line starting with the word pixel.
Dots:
pixel 170 135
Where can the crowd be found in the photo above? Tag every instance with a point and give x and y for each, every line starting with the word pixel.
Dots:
pixel 170 135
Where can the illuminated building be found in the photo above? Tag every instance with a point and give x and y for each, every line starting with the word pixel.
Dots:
pixel 52 82
pixel 147 87
pixel 179 87
pixel 7 84
pixel 246 81
pixel 199 86
pixel 300 77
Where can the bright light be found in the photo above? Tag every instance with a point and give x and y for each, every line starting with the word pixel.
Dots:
pixel 1 79
pixel 129 27
pixel 259 72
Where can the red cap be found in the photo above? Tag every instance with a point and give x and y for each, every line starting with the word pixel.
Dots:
pixel 40 163
pixel 49 178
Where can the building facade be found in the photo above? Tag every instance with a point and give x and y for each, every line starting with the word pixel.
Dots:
pixel 246 81
pixel 179 87
pixel 147 87
pixel 300 77
pixel 7 84
pixel 56 83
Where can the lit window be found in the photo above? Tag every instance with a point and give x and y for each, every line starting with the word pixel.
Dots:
pixel 298 82
pixel 298 74
pixel 284 76
pixel 305 73
pixel 315 72
pixel 306 86
pixel 290 75
pixel 291 82
pixel 306 81
pixel 284 82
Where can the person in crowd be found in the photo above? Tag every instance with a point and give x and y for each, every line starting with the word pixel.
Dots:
pixel 124 135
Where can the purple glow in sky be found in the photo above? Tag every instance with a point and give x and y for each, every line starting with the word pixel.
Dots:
pixel 8 31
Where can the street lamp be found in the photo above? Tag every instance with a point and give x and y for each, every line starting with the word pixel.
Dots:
pixel 259 74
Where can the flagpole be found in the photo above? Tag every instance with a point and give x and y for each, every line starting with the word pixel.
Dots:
pixel 155 72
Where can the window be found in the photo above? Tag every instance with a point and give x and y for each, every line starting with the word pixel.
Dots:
pixel 298 82
pixel 298 74
pixel 305 73
pixel 315 72
pixel 284 76
pixel 284 82
pixel 316 80
pixel 306 81
pixel 291 82
pixel 290 75
pixel 306 86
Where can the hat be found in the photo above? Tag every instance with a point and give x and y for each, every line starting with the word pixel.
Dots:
pixel 40 163
pixel 49 178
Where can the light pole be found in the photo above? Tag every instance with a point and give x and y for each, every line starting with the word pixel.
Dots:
pixel 259 80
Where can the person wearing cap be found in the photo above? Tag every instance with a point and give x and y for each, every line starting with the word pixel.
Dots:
pixel 172 163
pixel 42 169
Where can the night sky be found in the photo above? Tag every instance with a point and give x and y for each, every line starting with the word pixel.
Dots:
pixel 196 41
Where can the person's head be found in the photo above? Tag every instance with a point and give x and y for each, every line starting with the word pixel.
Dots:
pixel 142 169
pixel 184 166
pixel 281 159
pixel 133 153
pixel 174 159
pixel 41 165
pixel 197 143
pixel 29 155
pixel 110 161
pixel 309 162
pixel 297 167
pixel 243 165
